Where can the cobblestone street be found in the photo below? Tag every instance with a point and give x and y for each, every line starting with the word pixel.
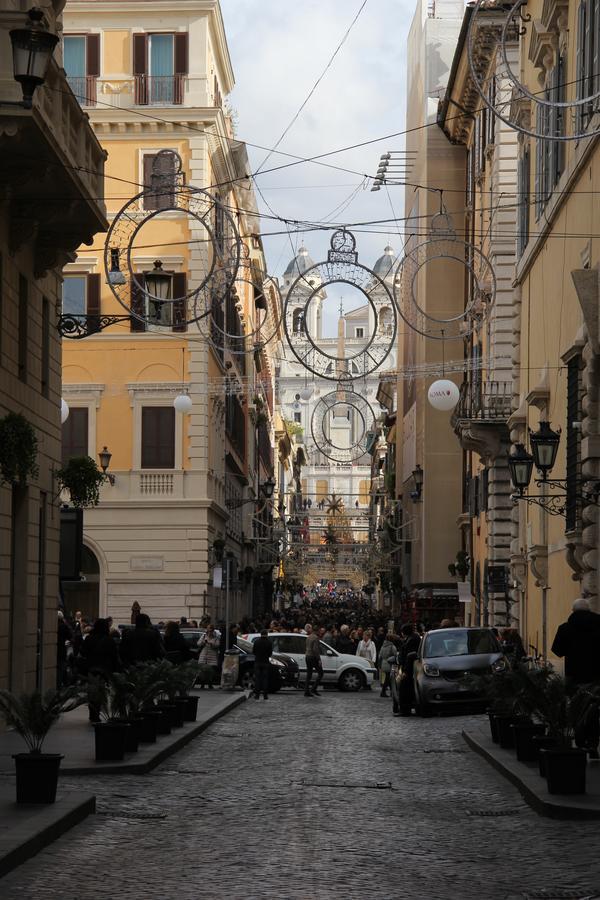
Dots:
pixel 312 800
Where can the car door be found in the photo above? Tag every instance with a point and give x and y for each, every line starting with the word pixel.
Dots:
pixel 294 645
pixel 330 661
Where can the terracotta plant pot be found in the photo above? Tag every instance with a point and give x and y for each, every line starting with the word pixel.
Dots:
pixel 37 776
pixel 565 770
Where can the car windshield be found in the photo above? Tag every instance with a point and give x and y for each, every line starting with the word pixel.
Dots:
pixel 459 642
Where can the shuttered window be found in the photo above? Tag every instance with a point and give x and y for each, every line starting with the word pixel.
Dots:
pixel 75 434
pixel 81 56
pixel 160 64
pixel 23 340
pixel 146 311
pixel 587 60
pixel 573 447
pixel 158 437
pixel 159 181
pixel 523 177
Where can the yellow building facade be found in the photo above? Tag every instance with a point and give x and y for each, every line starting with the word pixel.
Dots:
pixel 175 508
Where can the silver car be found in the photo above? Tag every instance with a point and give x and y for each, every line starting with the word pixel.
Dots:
pixel 444 657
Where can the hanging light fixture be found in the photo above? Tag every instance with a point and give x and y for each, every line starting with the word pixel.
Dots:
pixel 64 411
pixel 158 283
pixel 443 394
pixel 520 466
pixel 115 276
pixel 544 446
pixel 32 49
pixel 183 403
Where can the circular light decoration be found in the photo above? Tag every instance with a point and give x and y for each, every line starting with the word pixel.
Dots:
pixel 64 411
pixel 443 394
pixel 225 326
pixel 214 238
pixel 342 267
pixel 563 110
pixel 344 404
pixel 183 403
pixel 443 248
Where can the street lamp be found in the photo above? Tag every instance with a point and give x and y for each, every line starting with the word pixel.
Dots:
pixel 105 457
pixel 417 475
pixel 544 446
pixel 268 487
pixel 520 466
pixel 32 49
pixel 158 282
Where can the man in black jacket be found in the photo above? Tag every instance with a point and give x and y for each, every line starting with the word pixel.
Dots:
pixel 263 650
pixel 578 641
pixel 142 642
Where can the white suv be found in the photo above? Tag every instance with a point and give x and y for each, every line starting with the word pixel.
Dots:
pixel 350 673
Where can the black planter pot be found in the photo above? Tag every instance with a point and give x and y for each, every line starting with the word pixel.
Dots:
pixel 506 737
pixel 523 735
pixel 493 726
pixel 170 709
pixel 37 776
pixel 132 735
pixel 181 704
pixel 191 709
pixel 148 728
pixel 110 741
pixel 163 721
pixel 565 770
pixel 543 742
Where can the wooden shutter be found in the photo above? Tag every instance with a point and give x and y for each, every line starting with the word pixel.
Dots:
pixel 137 305
pixel 92 55
pixel 75 434
pixel 181 53
pixel 596 51
pixel 158 437
pixel 180 306
pixel 93 300
pixel 140 67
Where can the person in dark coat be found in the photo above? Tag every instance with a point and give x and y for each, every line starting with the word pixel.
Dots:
pixel 100 657
pixel 176 646
pixel 263 650
pixel 344 643
pixel 63 635
pixel 406 692
pixel 141 643
pixel 578 641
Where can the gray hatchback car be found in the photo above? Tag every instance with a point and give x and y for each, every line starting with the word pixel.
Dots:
pixel 445 656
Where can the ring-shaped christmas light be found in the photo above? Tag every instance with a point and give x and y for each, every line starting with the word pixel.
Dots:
pixel 345 397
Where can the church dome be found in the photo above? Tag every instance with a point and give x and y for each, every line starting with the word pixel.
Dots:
pixel 299 264
pixel 385 265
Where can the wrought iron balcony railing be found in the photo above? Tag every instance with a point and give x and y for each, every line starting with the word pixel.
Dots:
pixel 159 90
pixel 84 88
pixel 485 401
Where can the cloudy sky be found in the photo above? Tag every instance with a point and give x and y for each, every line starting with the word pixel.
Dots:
pixel 278 49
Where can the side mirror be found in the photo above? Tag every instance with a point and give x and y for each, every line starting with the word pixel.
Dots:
pixel 330 653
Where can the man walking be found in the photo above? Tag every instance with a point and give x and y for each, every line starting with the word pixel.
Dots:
pixel 263 650
pixel 313 662
pixel 578 641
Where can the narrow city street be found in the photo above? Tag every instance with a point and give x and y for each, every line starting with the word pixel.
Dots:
pixel 312 799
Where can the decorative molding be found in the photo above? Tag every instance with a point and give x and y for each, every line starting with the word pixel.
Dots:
pixel 538 560
pixel 574 560
pixel 539 395
pixel 586 283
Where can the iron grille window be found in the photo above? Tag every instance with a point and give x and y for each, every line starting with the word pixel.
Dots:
pixel 158 437
pixel 573 447
pixel 75 434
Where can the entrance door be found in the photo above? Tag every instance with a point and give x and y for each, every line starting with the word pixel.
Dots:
pixel 84 595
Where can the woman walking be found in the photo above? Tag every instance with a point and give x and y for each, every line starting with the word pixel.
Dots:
pixel 209 651
pixel 366 647
pixel 387 655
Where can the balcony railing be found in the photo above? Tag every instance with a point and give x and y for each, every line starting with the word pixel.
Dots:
pixel 486 401
pixel 84 88
pixel 265 447
pixel 159 90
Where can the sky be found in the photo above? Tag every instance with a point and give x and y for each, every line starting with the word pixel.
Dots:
pixel 278 49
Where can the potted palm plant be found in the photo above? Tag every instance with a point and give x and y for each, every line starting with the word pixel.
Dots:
pixel 146 686
pixel 168 675
pixel 111 731
pixel 186 676
pixel 32 716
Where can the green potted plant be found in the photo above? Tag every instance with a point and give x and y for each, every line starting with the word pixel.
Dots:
pixel 32 716
pixel 168 675
pixel 111 731
pixel 125 709
pixel 146 686
pixel 18 449
pixel 187 673
pixel 82 478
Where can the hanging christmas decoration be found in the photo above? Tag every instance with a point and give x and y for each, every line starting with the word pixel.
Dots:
pixel 443 394
pixel 363 356
pixel 346 439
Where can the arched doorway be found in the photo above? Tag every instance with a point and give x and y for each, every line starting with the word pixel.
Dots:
pixel 84 594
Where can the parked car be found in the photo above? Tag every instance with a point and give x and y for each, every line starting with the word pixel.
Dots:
pixel 348 672
pixel 445 657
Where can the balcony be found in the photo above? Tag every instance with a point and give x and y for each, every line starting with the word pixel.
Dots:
pixel 84 88
pixel 159 90
pixel 481 416
pixel 52 169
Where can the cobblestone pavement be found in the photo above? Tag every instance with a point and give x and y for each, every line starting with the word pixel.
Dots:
pixel 312 799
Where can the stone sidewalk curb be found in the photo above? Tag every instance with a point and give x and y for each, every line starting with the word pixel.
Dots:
pixel 151 755
pixel 34 827
pixel 526 779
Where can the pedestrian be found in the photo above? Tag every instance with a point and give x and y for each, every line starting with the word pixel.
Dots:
pixel 578 641
pixel 100 658
pixel 135 611
pixel 64 636
pixel 344 643
pixel 406 660
pixel 176 646
pixel 263 650
pixel 313 662
pixel 366 648
pixel 386 658
pixel 209 652
pixel 141 643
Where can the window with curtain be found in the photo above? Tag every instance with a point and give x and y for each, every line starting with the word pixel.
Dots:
pixel 82 64
pixel 161 68
pixel 74 295
pixel 75 434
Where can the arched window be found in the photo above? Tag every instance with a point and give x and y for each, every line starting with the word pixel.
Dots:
pixel 298 321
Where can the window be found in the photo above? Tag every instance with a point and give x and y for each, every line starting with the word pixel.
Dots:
pixel 157 314
pixel 75 434
pixel 82 65
pixel 573 449
pixel 549 153
pixel 160 180
pixel 45 367
pixel 359 332
pixel 297 417
pixel 158 437
pixel 298 321
pixel 160 62
pixel 587 64
pixel 23 327
pixel 523 177
pixel 81 295
pixel 1 306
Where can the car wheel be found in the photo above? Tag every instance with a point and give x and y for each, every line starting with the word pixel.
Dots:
pixel 247 680
pixel 351 680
